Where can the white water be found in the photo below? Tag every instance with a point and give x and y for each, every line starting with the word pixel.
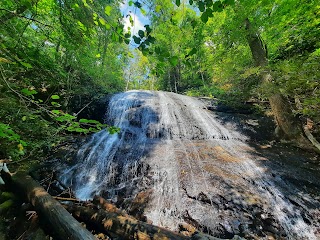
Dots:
pixel 171 144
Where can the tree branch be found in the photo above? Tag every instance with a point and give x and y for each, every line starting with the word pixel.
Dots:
pixel 17 13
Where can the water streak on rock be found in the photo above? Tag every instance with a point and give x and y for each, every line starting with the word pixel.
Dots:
pixel 199 170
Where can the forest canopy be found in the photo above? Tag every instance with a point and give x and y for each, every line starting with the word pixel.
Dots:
pixel 55 52
pixel 56 56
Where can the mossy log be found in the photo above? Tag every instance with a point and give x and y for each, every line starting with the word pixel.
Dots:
pixel 49 210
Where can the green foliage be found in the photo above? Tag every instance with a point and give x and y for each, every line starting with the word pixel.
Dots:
pixel 51 53
pixel 206 53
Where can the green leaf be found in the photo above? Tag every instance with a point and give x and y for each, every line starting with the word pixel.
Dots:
pixel 178 3
pixel 174 61
pixel 157 50
pixel 102 21
pixel 158 8
pixel 141 33
pixel 55 104
pixel 192 52
pixel 209 3
pixel 127 41
pixel 24 118
pixel 136 39
pixel 108 10
pixel 209 12
pixel 204 17
pixel 148 29
pixel 201 6
pixel 143 12
pixel 228 2
pixel 27 65
pixel 98 55
pixel 151 39
pixel 130 3
pixel 83 120
pixel 56 112
pixel 137 4
pixel 193 24
pixel 28 92
pixel 217 7
pixel 113 130
pixel 55 97
pixel 191 2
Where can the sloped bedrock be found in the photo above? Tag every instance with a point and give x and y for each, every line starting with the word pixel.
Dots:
pixel 220 185
pixel 235 215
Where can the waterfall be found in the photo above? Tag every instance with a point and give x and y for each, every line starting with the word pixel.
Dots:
pixel 198 169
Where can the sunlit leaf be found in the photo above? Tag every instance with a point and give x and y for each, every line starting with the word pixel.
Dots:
pixel 108 10
pixel 4 60
pixel 27 65
pixel 143 12
pixel 56 111
pixel 55 97
pixel 102 21
pixel 28 92
pixel 158 8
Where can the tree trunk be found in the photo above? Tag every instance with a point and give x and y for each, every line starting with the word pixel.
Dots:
pixel 288 124
pixel 49 210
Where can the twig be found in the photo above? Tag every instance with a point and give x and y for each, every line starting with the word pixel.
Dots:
pixel 14 13
pixel 50 182
pixel 21 96
pixel 22 235
pixel 83 108
pixel 5 161
pixel 67 199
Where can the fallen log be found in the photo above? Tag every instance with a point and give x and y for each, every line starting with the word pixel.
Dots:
pixel 108 206
pixel 49 210
pixel 118 225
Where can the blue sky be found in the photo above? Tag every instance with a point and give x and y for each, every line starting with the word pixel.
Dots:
pixel 139 19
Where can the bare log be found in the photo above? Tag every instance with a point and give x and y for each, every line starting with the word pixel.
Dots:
pixel 50 210
pixel 115 225
pixel 108 206
pixel 311 138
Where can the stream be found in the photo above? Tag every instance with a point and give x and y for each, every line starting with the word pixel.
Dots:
pixel 174 162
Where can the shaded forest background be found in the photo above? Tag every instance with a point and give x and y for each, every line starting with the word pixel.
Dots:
pixel 57 56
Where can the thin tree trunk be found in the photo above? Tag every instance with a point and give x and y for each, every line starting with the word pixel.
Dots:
pixel 289 125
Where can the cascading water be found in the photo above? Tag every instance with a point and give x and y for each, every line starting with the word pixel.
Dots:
pixel 198 170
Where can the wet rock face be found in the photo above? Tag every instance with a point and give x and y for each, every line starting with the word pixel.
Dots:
pixel 175 163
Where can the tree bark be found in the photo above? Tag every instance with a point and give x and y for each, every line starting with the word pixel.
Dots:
pixel 49 210
pixel 289 125
pixel 118 225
